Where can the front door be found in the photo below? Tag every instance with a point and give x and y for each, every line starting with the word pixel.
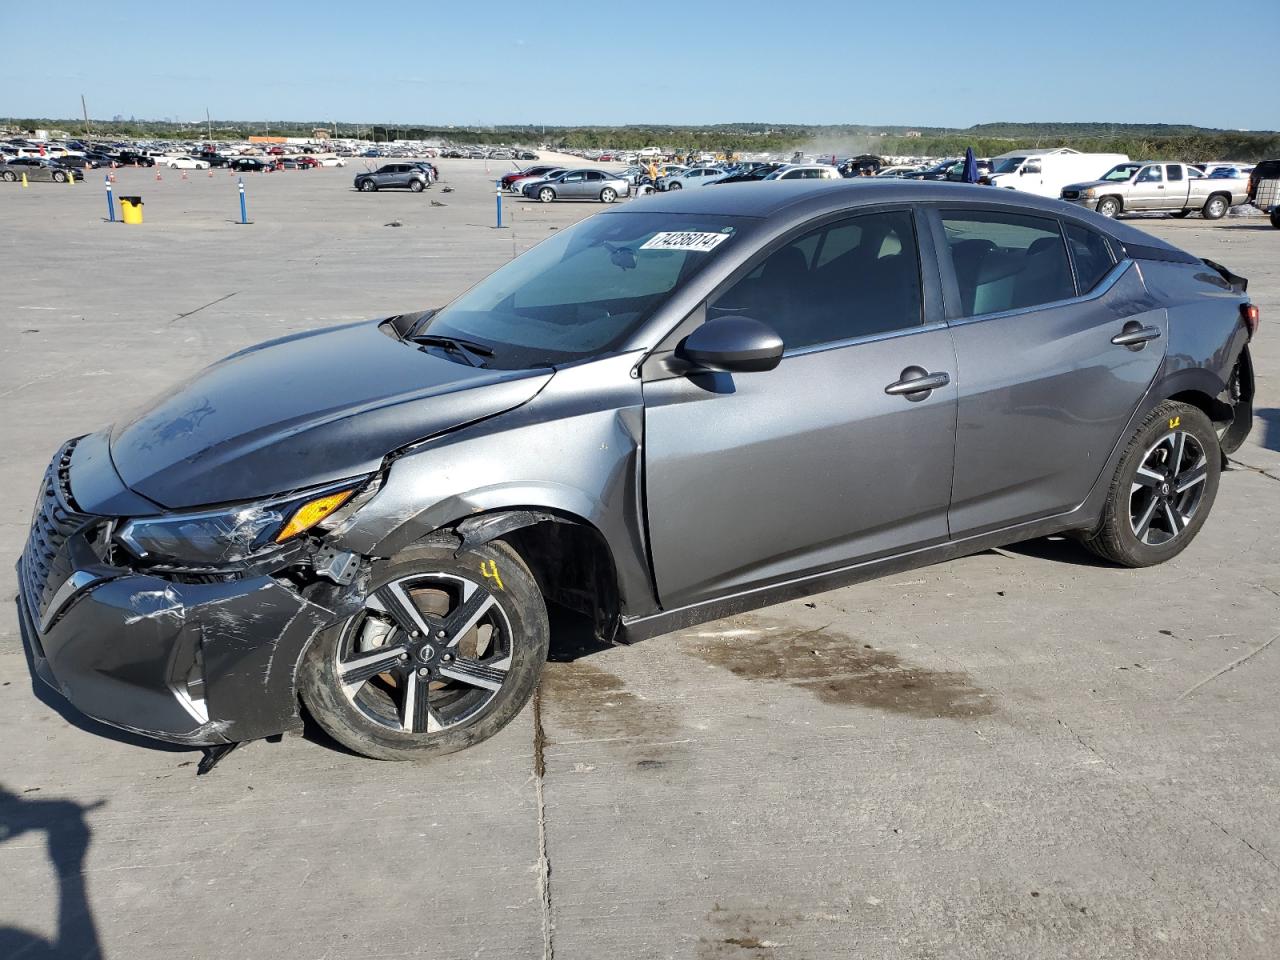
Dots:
pixel 1044 392
pixel 826 460
pixel 1148 190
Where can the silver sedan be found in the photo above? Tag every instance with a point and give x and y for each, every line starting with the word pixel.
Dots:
pixel 579 185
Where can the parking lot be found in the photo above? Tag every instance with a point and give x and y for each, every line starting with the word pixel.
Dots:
pixel 1022 754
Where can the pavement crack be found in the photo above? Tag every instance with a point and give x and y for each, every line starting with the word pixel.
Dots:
pixel 205 307
pixel 1228 668
pixel 1249 466
pixel 544 861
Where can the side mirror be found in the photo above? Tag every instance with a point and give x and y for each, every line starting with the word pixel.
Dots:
pixel 733 345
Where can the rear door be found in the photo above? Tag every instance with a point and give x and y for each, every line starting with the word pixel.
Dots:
pixel 1044 393
pixel 758 477
pixel 1176 185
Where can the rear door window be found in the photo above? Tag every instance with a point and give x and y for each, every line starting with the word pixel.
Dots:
pixel 1174 172
pixel 1091 255
pixel 1006 261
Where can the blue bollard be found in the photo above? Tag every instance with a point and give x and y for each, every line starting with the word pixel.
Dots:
pixel 111 203
pixel 499 196
pixel 244 213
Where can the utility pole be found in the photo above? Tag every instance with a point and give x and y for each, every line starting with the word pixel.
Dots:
pixel 85 110
pixel 208 125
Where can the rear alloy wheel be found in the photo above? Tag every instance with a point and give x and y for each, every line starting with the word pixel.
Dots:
pixel 444 654
pixel 1109 207
pixel 1163 489
pixel 367 186
pixel 1215 208
pixel 608 195
pixel 59 176
pixel 546 194
pixel 415 186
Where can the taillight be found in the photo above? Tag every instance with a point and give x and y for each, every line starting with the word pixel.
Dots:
pixel 1251 316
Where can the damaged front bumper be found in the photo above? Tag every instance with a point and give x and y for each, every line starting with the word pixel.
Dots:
pixel 199 663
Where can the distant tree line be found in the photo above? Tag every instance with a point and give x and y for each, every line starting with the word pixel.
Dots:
pixel 1140 141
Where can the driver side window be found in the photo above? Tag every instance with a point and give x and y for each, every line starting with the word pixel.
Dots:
pixel 854 278
pixel 1151 174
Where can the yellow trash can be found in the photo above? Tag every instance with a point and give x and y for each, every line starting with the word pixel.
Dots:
pixel 131 209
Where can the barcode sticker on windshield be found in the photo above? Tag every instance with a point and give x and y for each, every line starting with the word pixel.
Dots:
pixel 685 240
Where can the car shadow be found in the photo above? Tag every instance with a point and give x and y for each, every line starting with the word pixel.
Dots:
pixel 1058 550
pixel 67 834
pixel 1270 437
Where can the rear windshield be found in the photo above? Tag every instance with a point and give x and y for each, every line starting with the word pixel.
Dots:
pixel 582 292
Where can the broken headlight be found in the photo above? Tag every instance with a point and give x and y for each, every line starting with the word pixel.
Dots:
pixel 233 534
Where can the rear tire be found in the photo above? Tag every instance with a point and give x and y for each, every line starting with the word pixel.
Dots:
pixel 1275 218
pixel 1215 208
pixel 59 176
pixel 1109 207
pixel 1163 489
pixel 378 718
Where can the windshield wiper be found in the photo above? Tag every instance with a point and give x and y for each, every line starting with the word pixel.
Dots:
pixel 474 353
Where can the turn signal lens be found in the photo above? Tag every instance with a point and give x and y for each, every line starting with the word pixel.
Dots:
pixel 1252 317
pixel 312 512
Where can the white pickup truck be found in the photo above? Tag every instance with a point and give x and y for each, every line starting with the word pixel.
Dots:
pixel 1138 187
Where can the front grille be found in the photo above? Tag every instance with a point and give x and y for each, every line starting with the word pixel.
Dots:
pixel 45 562
pixel 1070 194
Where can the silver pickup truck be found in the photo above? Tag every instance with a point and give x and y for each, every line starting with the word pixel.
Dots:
pixel 1176 188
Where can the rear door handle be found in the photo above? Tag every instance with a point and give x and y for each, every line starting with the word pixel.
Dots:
pixel 1134 335
pixel 916 383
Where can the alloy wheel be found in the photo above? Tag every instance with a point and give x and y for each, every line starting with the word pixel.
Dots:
pixel 1167 488
pixel 429 652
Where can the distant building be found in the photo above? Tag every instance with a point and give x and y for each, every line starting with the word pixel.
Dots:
pixel 319 133
pixel 912 133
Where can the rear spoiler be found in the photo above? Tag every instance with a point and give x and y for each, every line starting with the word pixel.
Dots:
pixel 1238 283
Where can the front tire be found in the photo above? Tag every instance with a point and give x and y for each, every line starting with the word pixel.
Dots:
pixel 1109 207
pixel 674 185
pixel 1164 487
pixel 368 186
pixel 1215 208
pixel 415 186
pixel 546 194
pixel 1275 218
pixel 608 195
pixel 446 652
pixel 9 176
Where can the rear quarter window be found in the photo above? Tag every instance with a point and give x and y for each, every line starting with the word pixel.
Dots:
pixel 1091 255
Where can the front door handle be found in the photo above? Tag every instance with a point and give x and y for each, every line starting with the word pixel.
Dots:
pixel 1135 335
pixel 916 383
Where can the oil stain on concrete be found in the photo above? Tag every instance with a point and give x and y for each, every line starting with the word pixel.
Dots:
pixel 839 670
pixel 596 704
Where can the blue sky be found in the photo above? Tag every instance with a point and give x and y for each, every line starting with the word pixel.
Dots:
pixel 682 61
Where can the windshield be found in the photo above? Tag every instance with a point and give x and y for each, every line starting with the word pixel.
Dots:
pixel 1121 171
pixel 583 291
pixel 1008 165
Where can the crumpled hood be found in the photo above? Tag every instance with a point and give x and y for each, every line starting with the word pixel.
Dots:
pixel 303 410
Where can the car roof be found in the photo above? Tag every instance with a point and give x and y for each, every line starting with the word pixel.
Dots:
pixel 801 200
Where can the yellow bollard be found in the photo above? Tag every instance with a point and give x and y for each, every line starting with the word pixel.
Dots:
pixel 24 181
pixel 71 177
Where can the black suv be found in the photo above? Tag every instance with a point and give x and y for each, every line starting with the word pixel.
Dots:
pixel 129 158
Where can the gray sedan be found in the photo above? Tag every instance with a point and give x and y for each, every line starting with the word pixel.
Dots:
pixel 668 413
pixel 579 185
pixel 38 168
